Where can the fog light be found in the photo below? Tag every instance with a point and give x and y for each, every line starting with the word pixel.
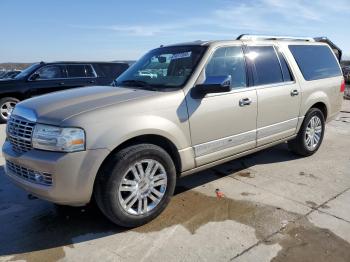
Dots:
pixel 38 177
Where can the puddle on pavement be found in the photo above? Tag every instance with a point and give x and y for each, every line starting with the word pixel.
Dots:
pixel 53 254
pixel 193 209
pixel 42 236
pixel 302 241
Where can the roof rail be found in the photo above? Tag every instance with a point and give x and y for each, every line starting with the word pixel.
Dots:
pixel 272 37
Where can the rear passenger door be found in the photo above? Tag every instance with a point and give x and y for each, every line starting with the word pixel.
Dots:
pixel 79 75
pixel 277 91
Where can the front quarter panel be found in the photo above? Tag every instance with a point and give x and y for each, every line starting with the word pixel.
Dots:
pixel 164 114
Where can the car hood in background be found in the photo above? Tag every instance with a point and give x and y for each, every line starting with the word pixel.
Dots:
pixel 55 107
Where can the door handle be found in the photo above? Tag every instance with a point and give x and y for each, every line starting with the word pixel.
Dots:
pixel 245 102
pixel 294 92
pixel 61 84
pixel 92 81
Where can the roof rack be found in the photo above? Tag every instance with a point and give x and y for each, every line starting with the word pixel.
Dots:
pixel 273 37
pixel 337 51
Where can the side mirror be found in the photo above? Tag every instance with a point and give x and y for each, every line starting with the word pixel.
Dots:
pixel 213 84
pixel 34 77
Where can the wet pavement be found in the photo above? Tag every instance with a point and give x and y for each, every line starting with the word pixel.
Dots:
pixel 272 206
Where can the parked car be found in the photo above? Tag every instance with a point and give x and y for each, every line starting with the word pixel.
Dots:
pixel 10 74
pixel 42 78
pixel 125 145
pixel 346 73
pixel 2 73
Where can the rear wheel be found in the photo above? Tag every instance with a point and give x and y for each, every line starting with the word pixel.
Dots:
pixel 135 185
pixel 310 135
pixel 7 104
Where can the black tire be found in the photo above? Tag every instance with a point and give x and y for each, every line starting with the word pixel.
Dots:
pixel 109 178
pixel 298 145
pixel 3 101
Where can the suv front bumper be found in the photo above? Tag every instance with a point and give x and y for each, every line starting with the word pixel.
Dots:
pixel 73 174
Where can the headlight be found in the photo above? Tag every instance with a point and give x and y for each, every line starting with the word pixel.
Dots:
pixel 54 138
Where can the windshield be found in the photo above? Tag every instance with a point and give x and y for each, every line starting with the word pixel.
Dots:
pixel 27 71
pixel 161 68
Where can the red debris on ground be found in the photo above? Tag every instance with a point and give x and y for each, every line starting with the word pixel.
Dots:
pixel 219 194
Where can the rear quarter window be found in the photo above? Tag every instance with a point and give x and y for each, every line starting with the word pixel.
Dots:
pixel 315 61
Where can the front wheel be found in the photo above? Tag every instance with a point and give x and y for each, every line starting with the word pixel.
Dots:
pixel 310 135
pixel 135 185
pixel 7 104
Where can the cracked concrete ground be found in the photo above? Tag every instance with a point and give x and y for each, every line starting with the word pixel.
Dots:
pixel 276 207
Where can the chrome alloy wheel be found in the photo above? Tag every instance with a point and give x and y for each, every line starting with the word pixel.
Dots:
pixel 7 108
pixel 313 133
pixel 142 187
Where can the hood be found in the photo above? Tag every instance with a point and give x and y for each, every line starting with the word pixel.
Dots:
pixel 56 107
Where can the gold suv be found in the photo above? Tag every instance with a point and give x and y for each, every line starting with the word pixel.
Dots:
pixel 180 109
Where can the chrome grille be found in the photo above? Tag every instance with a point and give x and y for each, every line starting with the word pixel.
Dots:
pixel 19 133
pixel 29 174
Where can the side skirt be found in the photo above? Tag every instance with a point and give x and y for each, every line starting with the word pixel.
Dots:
pixel 226 159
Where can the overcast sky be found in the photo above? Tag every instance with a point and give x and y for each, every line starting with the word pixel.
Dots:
pixel 111 30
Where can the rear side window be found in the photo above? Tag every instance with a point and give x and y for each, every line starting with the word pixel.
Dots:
pixel 267 65
pixel 112 70
pixel 315 62
pixel 80 71
pixel 228 61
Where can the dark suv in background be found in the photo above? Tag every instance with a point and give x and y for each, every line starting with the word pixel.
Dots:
pixel 9 74
pixel 41 78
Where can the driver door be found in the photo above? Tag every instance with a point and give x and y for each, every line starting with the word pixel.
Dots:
pixel 49 78
pixel 224 124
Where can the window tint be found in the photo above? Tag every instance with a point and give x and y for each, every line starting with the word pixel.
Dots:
pixel 89 71
pixel 228 61
pixel 112 70
pixel 267 66
pixel 287 75
pixel 50 72
pixel 78 71
pixel 315 62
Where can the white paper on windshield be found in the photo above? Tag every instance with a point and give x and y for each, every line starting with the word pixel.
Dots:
pixel 181 55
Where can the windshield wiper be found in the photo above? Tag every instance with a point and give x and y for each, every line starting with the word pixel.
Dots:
pixel 139 83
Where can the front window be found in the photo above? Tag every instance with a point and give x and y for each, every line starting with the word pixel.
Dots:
pixel 228 61
pixel 50 72
pixel 161 68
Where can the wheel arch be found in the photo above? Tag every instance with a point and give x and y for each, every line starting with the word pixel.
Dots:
pixel 18 96
pixel 321 106
pixel 157 140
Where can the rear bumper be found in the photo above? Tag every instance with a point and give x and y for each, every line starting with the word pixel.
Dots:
pixel 73 174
